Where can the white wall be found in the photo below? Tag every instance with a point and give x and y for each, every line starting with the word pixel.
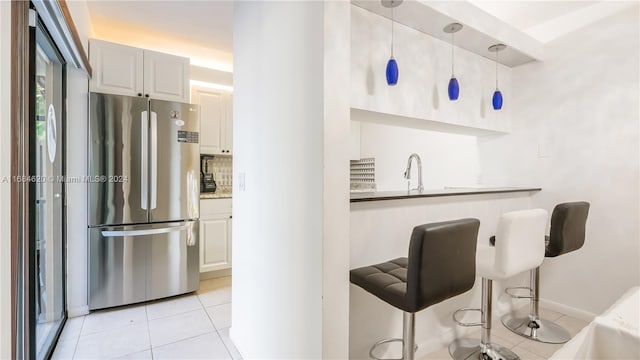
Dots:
pixel 575 133
pixel 77 101
pixel 278 143
pixel 5 188
pixel 337 126
pixel 447 159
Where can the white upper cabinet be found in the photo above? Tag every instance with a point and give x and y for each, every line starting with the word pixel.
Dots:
pixel 116 68
pixel 216 120
pixel 166 76
pixel 125 70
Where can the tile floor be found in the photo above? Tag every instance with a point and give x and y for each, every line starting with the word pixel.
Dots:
pixel 525 348
pixel 196 326
pixel 192 326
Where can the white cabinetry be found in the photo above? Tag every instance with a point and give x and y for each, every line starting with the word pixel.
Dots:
pixel 215 234
pixel 216 120
pixel 125 70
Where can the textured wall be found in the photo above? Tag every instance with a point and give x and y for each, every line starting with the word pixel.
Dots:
pixel 575 133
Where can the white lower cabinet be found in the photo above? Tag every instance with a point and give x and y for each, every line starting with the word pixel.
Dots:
pixel 215 234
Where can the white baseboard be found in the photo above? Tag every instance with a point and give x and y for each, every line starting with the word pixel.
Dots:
pixel 78 311
pixel 567 310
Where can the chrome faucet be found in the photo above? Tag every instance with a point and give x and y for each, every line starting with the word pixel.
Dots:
pixel 407 173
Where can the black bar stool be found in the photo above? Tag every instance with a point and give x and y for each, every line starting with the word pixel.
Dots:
pixel 441 265
pixel 568 222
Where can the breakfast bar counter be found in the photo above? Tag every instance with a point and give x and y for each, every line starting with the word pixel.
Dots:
pixel 447 191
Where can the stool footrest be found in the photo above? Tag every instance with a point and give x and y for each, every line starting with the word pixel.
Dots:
pixel 385 341
pixel 461 323
pixel 511 291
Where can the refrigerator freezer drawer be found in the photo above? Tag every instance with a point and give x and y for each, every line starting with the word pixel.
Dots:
pixel 129 264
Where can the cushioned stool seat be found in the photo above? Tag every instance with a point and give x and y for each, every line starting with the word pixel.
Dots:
pixel 387 280
pixel 441 264
pixel 567 234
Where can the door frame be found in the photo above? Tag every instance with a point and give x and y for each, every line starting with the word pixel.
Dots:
pixel 22 36
pixel 20 85
pixel 32 187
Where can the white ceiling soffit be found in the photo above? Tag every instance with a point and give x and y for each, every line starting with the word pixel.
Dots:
pixel 480 30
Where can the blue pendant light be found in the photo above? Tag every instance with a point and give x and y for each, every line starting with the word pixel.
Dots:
pixel 392 66
pixel 496 100
pixel 454 87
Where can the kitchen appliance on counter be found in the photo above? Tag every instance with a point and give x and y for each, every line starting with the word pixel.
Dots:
pixel 207 180
pixel 143 199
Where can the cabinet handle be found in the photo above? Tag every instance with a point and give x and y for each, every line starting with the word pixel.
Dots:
pixel 230 216
pixel 146 95
pixel 139 94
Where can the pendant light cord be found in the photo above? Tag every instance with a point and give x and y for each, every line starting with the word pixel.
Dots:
pixel 392 31
pixel 497 70
pixel 452 58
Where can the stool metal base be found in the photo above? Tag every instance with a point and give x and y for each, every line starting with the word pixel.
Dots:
pixel 539 330
pixel 470 349
pixel 386 341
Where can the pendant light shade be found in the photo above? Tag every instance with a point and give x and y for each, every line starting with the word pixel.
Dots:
pixel 392 66
pixel 392 71
pixel 497 100
pixel 454 88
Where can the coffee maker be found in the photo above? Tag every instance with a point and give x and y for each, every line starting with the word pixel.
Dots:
pixel 207 181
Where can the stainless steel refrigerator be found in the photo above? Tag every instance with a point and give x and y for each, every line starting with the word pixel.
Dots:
pixel 144 207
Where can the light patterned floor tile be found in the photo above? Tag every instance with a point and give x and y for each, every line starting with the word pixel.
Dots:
pixel 114 342
pixel 442 354
pixel 215 297
pixel 213 284
pixel 207 346
pixel 540 349
pixel 220 315
pixel 179 327
pixel 65 349
pixel 72 328
pixel 172 306
pixel 113 318
pixel 141 355
pixel 525 354
pixel 571 324
pixel 231 347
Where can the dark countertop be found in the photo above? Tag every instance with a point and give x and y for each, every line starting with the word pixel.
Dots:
pixel 223 195
pixel 398 195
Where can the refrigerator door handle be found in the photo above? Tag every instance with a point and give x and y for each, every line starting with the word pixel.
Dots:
pixel 154 159
pixel 119 233
pixel 144 167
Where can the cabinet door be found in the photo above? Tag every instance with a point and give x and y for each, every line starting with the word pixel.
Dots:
pixel 211 120
pixel 117 69
pixel 166 77
pixel 215 248
pixel 228 124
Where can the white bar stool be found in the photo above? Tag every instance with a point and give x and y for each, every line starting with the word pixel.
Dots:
pixel 519 247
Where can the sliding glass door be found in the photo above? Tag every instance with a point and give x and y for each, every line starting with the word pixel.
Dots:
pixel 47 309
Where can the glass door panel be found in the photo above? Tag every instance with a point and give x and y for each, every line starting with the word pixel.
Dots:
pixel 46 195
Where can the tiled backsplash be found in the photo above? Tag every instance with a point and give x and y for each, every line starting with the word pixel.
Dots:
pixel 363 174
pixel 221 166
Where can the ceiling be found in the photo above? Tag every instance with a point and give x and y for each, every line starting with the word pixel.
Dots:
pixel 196 29
pixel 524 15
pixel 203 30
